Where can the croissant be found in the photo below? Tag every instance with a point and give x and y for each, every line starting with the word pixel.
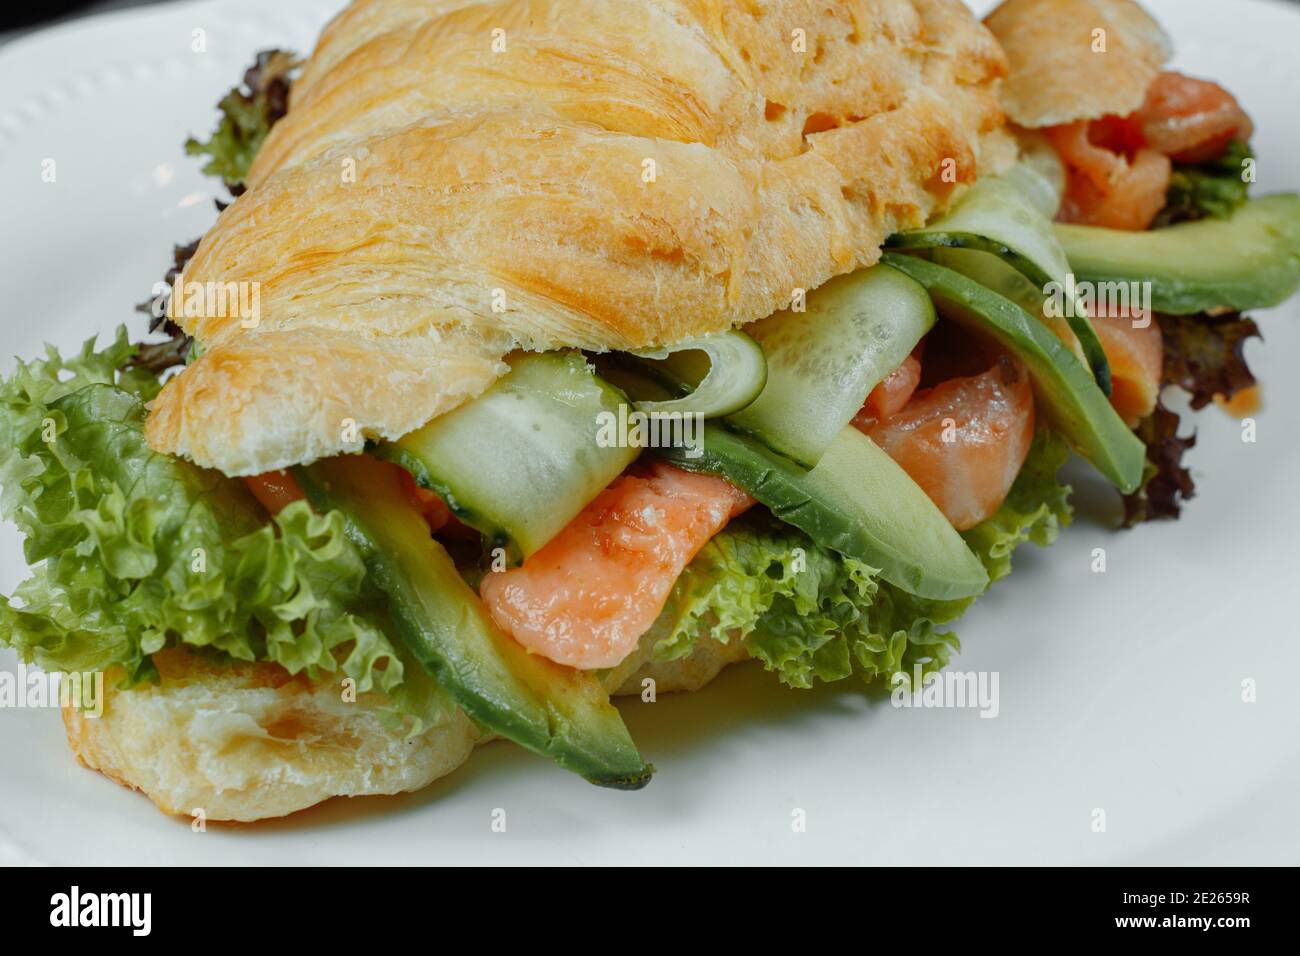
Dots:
pixel 456 180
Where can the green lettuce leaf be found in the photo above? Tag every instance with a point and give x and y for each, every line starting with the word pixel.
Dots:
pixel 1207 190
pixel 247 114
pixel 134 551
pixel 1036 508
pixel 809 614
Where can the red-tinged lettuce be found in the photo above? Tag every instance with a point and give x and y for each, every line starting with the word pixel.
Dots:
pixel 1204 356
pixel 1166 483
pixel 247 114
pixel 176 347
pixel 134 551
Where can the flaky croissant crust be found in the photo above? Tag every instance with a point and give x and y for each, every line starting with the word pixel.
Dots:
pixel 457 180
pixel 1076 59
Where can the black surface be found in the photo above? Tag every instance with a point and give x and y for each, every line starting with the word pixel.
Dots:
pixel 29 14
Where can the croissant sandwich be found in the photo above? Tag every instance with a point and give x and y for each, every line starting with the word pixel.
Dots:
pixel 549 351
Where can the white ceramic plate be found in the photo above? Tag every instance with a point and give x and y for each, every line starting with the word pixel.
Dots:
pixel 1120 691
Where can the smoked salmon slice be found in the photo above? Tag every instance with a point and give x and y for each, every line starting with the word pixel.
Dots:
pixel 963 441
pixel 275 490
pixel 589 594
pixel 1118 167
pixel 1105 188
pixel 1191 120
pixel 1136 356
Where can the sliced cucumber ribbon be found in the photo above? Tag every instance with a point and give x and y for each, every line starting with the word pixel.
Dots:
pixel 720 374
pixel 519 462
pixel 1005 216
pixel 1036 188
pixel 552 710
pixel 824 361
pixel 1040 173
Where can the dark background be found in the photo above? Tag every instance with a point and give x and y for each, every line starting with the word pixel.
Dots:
pixel 29 14
pixel 19 18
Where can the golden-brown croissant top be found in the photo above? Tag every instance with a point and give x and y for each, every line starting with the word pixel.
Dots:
pixel 456 180
pixel 1076 59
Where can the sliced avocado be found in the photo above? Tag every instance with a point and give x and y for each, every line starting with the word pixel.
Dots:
pixel 1063 388
pixel 554 711
pixel 1004 216
pixel 856 501
pixel 992 273
pixel 1248 261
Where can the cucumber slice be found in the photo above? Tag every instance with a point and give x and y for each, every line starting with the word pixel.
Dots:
pixel 857 501
pixel 720 374
pixel 999 216
pixel 992 273
pixel 1046 188
pixel 823 362
pixel 554 711
pixel 1036 188
pixel 1063 388
pixel 1249 261
pixel 521 460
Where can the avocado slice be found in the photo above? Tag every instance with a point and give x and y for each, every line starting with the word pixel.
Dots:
pixel 1004 216
pixel 1248 261
pixel 1062 385
pixel 552 710
pixel 856 501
